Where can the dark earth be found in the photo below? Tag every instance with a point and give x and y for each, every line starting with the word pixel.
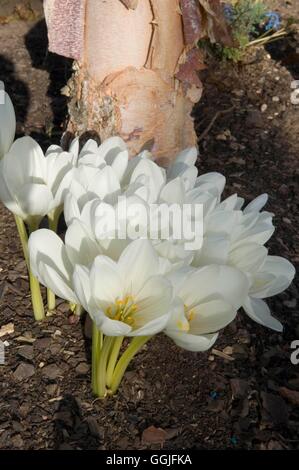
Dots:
pixel 244 395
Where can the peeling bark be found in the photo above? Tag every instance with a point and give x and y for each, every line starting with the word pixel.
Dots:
pixel 136 69
pixel 126 83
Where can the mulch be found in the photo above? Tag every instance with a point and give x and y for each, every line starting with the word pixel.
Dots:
pixel 244 394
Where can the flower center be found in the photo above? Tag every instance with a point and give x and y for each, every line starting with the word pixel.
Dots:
pixel 122 310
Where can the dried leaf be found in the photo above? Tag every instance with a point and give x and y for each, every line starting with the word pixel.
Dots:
pixel 153 435
pixel 291 395
pixel 191 20
pixel 7 329
pixel 214 24
pixel 187 72
pixel 130 4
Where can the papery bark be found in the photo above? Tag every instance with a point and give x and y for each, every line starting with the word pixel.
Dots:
pixel 135 70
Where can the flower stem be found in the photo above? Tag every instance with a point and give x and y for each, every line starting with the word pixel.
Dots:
pixel 37 301
pixel 125 359
pixel 94 357
pixel 112 359
pixel 51 300
pixel 36 297
pixel 102 364
pixel 53 218
pixel 23 237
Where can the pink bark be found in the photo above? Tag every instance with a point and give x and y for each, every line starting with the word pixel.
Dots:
pixel 65 20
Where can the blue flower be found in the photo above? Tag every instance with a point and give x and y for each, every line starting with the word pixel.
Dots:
pixel 228 12
pixel 274 20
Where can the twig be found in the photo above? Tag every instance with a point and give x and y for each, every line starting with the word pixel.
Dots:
pixel 214 119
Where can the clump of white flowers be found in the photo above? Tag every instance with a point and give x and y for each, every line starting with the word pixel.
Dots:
pixel 144 283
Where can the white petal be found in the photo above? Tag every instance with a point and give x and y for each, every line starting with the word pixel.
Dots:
pixel 71 208
pixel 80 247
pixel 115 328
pixel 249 257
pixel 7 122
pixel 104 182
pixel 173 192
pixel 259 311
pixel 50 278
pixel 152 327
pixel 25 163
pixel 45 245
pixel 35 199
pixel 137 263
pixel 213 281
pixel 274 277
pixel 192 342
pixel 81 284
pixel 215 250
pixel 187 156
pixel 111 147
pixel 106 283
pixel 8 199
pixel 118 163
pixel 257 204
pixel 211 317
pixel 211 180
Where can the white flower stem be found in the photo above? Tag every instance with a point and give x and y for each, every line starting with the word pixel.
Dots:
pixel 137 343
pixel 36 298
pixel 113 359
pixel 102 364
pixel 94 357
pixel 23 237
pixel 53 218
pixel 37 301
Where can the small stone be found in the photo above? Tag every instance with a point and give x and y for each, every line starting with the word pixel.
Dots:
pixel 42 344
pixel 52 390
pixel 275 99
pixel 239 387
pixel 17 441
pixel 283 190
pixel 52 372
pixel 290 303
pixel 264 107
pixel 82 369
pixel 93 426
pixel 254 119
pixel 275 407
pixel 24 371
pixel 26 352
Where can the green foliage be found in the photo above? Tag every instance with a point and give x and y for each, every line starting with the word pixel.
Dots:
pixel 245 18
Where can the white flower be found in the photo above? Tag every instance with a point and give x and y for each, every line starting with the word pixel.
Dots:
pixel 236 238
pixel 127 298
pixel 207 300
pixel 7 121
pixel 124 298
pixel 30 183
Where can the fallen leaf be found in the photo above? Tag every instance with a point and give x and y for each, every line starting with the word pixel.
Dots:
pixel 291 395
pixel 7 329
pixel 153 435
pixel 222 354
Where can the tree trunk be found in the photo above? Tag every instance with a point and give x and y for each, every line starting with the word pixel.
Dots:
pixel 135 68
